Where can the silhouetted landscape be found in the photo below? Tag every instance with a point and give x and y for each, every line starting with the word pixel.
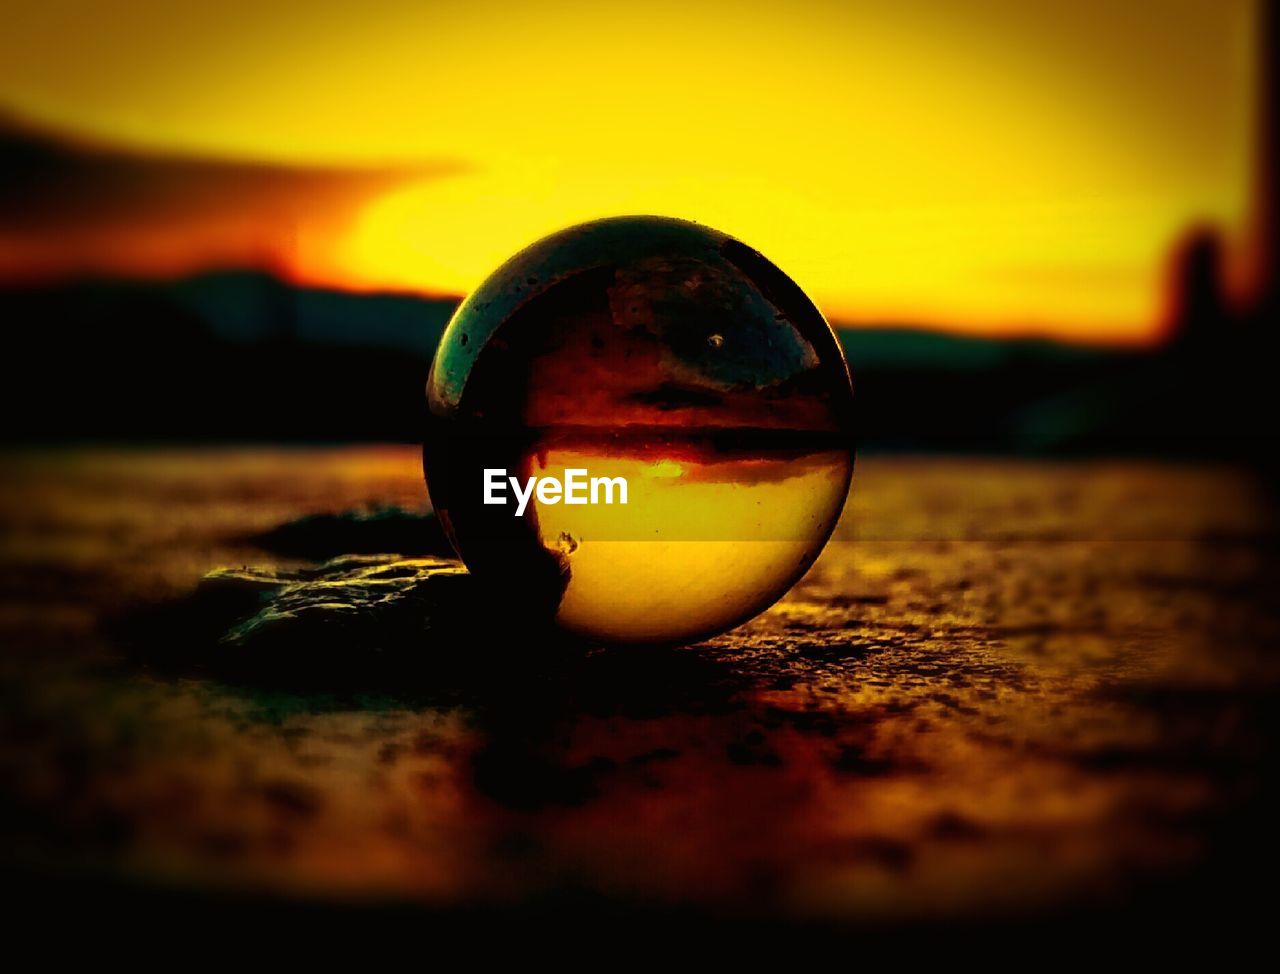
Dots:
pixel 245 356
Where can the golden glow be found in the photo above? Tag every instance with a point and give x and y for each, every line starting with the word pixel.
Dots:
pixel 990 167
pixel 663 469
pixel 725 537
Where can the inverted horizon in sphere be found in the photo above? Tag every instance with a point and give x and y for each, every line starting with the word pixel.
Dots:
pixel 680 363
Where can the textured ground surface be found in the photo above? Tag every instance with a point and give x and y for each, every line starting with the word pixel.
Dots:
pixel 1007 688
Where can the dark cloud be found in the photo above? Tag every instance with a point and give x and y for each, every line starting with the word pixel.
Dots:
pixel 50 182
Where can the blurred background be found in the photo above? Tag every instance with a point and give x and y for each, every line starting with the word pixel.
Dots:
pixel 1060 201
pixel 231 235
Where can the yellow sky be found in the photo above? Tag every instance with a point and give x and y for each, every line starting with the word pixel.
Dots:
pixel 987 166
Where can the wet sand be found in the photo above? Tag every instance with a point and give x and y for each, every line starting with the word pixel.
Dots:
pixel 1007 689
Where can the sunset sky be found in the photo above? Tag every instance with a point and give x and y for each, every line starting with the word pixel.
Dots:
pixel 991 167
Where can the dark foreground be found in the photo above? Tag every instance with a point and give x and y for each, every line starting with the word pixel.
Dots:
pixel 1010 694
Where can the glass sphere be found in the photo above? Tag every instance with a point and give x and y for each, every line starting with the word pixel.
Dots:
pixel 675 413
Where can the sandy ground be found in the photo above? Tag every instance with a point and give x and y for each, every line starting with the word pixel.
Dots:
pixel 1008 688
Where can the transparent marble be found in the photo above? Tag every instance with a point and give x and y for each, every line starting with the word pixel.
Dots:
pixel 667 354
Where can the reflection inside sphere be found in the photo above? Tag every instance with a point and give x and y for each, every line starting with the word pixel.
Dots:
pixel 671 356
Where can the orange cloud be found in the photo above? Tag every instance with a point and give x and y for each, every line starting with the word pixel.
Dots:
pixel 80 206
